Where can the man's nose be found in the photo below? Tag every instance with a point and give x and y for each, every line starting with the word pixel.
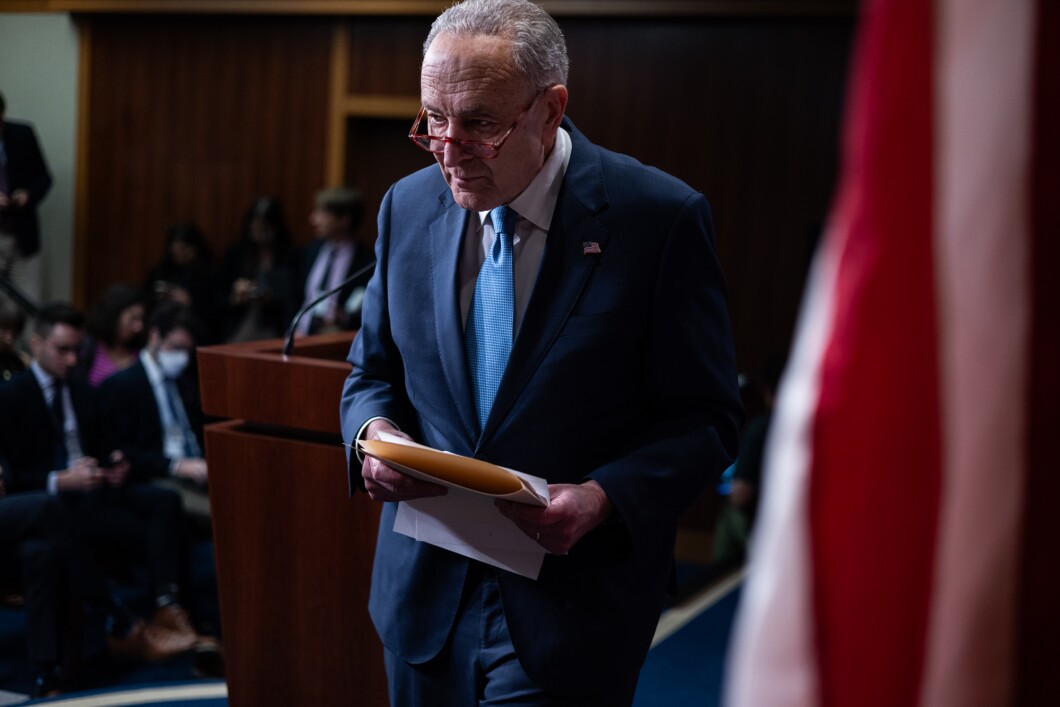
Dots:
pixel 454 153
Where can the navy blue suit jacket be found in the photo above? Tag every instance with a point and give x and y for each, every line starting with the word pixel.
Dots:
pixel 25 170
pixel 133 423
pixel 623 372
pixel 28 436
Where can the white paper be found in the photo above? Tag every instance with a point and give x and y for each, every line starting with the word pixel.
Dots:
pixel 468 523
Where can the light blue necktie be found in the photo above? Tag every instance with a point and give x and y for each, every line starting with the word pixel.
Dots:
pixel 490 323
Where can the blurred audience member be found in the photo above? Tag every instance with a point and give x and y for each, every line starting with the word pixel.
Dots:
pixel 258 276
pixel 737 517
pixel 153 413
pixel 115 334
pixel 30 554
pixel 12 359
pixel 24 181
pixel 330 259
pixel 53 445
pixel 186 275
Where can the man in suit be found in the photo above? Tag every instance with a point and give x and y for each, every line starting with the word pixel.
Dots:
pixel 153 411
pixel 50 437
pixel 333 257
pixel 617 375
pixel 24 181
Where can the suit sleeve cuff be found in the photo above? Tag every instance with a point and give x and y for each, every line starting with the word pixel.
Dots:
pixel 364 429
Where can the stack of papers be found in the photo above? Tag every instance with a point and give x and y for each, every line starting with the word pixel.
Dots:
pixel 465 520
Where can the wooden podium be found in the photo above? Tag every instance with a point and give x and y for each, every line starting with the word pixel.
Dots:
pixel 293 550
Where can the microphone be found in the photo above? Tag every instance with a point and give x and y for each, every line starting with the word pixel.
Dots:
pixel 288 345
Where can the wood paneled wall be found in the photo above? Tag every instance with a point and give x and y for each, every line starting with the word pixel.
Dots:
pixel 190 117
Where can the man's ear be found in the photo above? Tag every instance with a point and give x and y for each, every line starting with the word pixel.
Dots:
pixel 556 102
pixel 35 345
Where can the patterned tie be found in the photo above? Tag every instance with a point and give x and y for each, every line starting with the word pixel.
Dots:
pixel 180 418
pixel 488 335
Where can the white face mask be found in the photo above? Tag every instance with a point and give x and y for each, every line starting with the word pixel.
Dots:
pixel 172 363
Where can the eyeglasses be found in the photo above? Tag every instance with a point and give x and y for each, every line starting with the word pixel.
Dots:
pixel 483 149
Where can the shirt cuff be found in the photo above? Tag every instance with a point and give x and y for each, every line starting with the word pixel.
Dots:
pixel 53 482
pixel 364 428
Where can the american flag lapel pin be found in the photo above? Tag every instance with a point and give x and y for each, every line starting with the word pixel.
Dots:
pixel 590 248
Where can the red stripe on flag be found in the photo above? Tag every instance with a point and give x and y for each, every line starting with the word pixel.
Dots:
pixel 1037 642
pixel 875 477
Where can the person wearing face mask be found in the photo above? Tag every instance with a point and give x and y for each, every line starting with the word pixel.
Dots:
pixel 153 412
pixel 52 438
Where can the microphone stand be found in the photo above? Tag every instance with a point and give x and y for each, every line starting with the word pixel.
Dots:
pixel 288 345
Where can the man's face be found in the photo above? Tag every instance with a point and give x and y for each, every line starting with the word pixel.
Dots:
pixel 472 91
pixel 57 352
pixel 326 224
pixel 178 339
pixel 7 339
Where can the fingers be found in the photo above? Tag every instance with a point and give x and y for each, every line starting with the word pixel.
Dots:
pixel 547 530
pixel 386 484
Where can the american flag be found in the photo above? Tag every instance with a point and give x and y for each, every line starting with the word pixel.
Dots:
pixel 905 547
pixel 590 248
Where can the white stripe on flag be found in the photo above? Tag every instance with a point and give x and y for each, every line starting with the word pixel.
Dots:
pixel 774 635
pixel 984 57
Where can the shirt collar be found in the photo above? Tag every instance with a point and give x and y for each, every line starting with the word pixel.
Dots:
pixel 154 373
pixel 44 379
pixel 537 202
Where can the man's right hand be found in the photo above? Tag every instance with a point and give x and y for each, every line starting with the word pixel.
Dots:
pixel 193 469
pixel 386 484
pixel 83 475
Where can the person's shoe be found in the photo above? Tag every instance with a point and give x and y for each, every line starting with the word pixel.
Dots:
pixel 49 683
pixel 174 618
pixel 149 642
pixel 209 660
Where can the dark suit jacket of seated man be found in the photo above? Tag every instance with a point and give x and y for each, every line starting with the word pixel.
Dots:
pixel 130 406
pixel 621 377
pixel 123 521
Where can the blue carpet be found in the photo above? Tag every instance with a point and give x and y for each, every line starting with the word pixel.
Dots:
pixel 200 693
pixel 686 669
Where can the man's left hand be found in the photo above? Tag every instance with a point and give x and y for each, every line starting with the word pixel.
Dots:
pixel 575 509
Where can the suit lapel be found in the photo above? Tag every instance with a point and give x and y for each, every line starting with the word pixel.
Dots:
pixel 446 235
pixel 565 270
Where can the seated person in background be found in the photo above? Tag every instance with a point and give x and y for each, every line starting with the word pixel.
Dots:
pixel 153 413
pixel 12 359
pixel 258 276
pixel 736 518
pixel 186 275
pixel 115 334
pixel 30 554
pixel 50 435
pixel 330 259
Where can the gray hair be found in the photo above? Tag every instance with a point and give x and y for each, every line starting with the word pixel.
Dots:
pixel 538 47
